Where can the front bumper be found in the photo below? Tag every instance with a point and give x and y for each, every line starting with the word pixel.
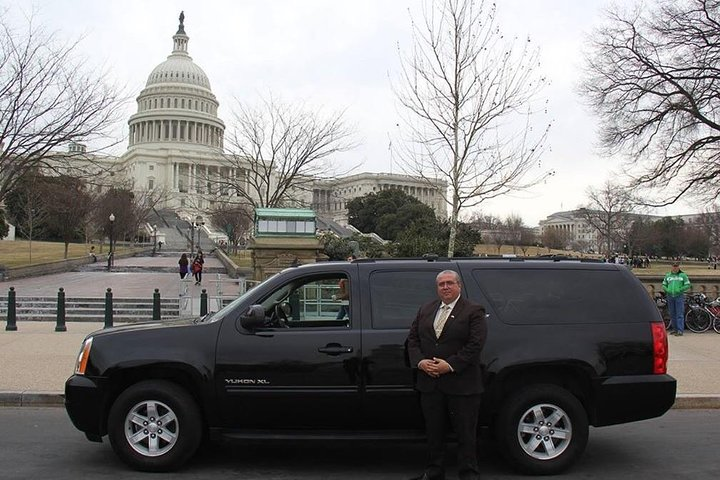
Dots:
pixel 623 399
pixel 85 404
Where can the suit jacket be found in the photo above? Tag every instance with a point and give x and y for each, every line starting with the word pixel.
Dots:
pixel 460 344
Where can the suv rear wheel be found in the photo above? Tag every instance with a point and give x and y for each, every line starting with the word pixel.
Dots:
pixel 542 429
pixel 154 426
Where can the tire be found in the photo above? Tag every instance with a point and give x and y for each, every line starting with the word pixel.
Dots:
pixel 716 324
pixel 697 321
pixel 154 426
pixel 542 429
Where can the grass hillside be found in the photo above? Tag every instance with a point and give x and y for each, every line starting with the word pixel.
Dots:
pixel 18 253
pixel 486 249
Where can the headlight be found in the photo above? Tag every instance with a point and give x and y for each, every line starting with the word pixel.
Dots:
pixel 83 357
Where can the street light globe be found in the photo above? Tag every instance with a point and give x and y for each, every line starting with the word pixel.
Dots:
pixel 112 217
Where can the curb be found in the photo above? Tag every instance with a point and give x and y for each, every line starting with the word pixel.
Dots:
pixel 32 399
pixel 683 401
pixel 699 401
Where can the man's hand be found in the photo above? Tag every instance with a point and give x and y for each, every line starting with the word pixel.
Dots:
pixel 434 367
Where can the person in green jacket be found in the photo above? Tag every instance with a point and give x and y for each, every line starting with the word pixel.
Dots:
pixel 675 284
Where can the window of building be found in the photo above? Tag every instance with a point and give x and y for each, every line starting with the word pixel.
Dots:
pixel 151 183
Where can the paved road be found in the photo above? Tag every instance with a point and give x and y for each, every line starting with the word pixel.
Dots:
pixel 41 443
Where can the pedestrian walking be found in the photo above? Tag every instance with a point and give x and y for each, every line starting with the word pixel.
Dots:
pixel 183 263
pixel 197 267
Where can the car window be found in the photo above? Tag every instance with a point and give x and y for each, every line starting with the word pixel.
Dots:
pixel 310 302
pixel 396 296
pixel 560 296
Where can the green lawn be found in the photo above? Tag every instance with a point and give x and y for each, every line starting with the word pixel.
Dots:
pixel 693 269
pixel 18 253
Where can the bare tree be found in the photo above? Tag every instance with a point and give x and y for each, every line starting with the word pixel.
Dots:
pixel 68 205
pixel 528 238
pixel 26 206
pixel 467 96
pixel 652 76
pixel 555 238
pixel 710 223
pixel 235 222
pixel 278 150
pixel 48 98
pixel 610 212
pixel 513 228
pixel 144 202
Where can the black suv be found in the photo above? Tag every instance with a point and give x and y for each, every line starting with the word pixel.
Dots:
pixel 570 344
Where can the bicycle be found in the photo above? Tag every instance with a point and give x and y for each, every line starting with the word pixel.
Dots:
pixel 702 314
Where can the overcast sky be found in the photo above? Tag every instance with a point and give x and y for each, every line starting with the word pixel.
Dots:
pixel 340 55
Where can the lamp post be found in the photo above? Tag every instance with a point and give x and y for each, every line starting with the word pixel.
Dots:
pixel 198 223
pixel 154 239
pixel 112 250
pixel 195 226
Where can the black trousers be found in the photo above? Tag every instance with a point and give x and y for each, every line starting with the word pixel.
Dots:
pixel 462 413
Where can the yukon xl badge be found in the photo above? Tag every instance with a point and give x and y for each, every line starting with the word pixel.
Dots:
pixel 246 381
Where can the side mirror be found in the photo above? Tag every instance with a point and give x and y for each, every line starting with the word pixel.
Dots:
pixel 254 318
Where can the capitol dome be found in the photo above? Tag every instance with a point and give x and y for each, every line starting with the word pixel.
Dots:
pixel 177 104
pixel 178 68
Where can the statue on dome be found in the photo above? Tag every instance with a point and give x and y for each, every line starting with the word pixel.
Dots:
pixel 181 27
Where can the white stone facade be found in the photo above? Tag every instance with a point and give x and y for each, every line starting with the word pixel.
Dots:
pixel 175 146
pixel 576 230
pixel 330 197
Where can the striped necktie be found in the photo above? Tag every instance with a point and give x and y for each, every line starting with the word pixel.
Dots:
pixel 442 318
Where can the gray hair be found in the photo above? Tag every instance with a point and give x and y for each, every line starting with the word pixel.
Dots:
pixel 449 272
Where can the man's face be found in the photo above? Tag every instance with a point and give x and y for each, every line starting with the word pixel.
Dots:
pixel 675 268
pixel 448 288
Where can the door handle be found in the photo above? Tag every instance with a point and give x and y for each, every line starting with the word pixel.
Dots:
pixel 335 349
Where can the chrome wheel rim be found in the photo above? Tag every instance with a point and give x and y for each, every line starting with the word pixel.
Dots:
pixel 151 428
pixel 544 431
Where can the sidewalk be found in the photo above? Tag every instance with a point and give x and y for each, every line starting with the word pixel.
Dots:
pixel 36 361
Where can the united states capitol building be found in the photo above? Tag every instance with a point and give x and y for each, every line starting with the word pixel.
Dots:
pixel 176 146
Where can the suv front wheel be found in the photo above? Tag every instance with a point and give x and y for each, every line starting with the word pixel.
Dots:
pixel 542 429
pixel 154 426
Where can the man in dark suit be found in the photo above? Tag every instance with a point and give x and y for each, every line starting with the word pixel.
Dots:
pixel 444 344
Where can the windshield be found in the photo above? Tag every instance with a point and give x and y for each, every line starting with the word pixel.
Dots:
pixel 232 305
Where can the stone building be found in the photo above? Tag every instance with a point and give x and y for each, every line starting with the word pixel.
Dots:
pixel 575 229
pixel 330 196
pixel 176 137
pixel 176 148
